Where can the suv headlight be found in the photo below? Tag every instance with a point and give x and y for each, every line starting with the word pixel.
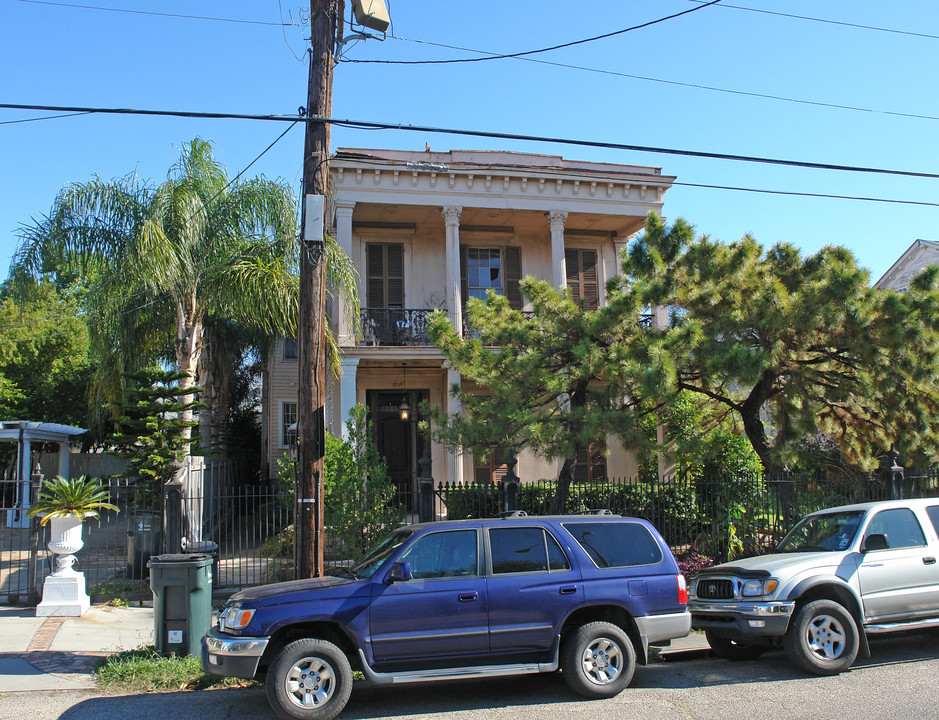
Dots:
pixel 755 588
pixel 233 617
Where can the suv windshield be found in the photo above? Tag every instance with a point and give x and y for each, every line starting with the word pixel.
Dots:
pixel 829 531
pixel 367 566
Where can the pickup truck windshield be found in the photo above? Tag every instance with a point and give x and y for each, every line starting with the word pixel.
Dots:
pixel 829 531
pixel 368 566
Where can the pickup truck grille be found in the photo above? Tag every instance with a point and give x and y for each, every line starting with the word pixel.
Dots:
pixel 715 589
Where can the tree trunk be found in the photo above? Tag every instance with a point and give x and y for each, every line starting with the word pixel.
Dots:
pixel 565 478
pixel 188 350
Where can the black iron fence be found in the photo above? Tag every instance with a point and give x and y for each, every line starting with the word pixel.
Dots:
pixel 248 526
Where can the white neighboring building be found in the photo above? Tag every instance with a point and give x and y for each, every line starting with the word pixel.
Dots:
pixel 920 254
pixel 426 230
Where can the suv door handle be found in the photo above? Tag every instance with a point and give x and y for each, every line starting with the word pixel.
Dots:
pixel 568 589
pixel 929 561
pixel 468 596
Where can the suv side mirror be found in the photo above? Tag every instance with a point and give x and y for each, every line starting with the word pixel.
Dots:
pixel 875 541
pixel 399 572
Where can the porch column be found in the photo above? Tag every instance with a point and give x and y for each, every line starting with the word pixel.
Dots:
pixel 557 218
pixel 454 407
pixel 346 330
pixel 451 218
pixel 347 392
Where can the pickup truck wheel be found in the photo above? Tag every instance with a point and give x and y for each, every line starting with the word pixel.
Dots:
pixel 309 679
pixel 733 650
pixel 822 638
pixel 598 660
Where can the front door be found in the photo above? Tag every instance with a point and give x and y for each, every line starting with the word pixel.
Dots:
pixel 397 440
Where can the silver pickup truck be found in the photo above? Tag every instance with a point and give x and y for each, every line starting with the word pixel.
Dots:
pixel 837 577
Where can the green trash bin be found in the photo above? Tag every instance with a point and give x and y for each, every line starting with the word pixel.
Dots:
pixel 182 601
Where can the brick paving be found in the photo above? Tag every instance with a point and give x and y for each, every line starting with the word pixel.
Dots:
pixel 75 666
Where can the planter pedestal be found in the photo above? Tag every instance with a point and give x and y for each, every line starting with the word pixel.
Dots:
pixel 63 592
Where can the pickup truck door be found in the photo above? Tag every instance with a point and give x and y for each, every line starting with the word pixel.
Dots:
pixel 442 611
pixel 532 588
pixel 903 580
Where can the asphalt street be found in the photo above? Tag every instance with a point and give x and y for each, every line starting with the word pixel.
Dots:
pixel 899 681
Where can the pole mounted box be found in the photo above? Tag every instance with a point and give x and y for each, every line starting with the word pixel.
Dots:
pixel 372 14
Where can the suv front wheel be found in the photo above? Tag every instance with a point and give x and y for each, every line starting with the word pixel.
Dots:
pixel 598 660
pixel 822 638
pixel 310 679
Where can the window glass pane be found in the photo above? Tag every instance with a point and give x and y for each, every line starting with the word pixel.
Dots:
pixel 288 432
pixel 900 526
pixel 483 271
pixel 517 550
pixel 619 544
pixel 443 554
pixel 557 560
pixel 290 348
pixel 933 512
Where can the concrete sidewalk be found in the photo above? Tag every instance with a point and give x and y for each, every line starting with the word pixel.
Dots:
pixel 57 653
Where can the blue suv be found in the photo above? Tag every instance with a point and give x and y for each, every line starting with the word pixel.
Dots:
pixel 461 599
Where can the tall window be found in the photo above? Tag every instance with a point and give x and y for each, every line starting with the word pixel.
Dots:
pixel 288 424
pixel 496 269
pixel 582 277
pixel 590 465
pixel 490 466
pixel 385 275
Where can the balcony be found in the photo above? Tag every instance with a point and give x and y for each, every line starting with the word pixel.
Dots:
pixel 395 326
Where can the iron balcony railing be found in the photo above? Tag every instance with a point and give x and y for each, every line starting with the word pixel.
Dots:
pixel 395 326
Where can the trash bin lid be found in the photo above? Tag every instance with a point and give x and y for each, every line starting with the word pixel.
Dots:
pixel 169 558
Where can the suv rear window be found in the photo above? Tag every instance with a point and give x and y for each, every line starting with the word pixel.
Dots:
pixel 525 549
pixel 616 544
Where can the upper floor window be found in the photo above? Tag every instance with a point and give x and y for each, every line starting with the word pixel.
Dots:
pixel 582 276
pixel 490 466
pixel 290 348
pixel 496 269
pixel 384 269
pixel 590 464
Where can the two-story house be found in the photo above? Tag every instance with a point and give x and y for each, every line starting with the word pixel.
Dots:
pixel 428 230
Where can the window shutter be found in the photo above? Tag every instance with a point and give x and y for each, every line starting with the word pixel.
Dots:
pixel 464 286
pixel 512 257
pixel 582 277
pixel 385 275
pixel 395 286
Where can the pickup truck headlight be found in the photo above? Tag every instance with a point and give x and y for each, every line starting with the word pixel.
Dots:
pixel 233 617
pixel 756 588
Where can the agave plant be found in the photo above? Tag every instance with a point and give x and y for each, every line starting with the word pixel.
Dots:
pixel 82 496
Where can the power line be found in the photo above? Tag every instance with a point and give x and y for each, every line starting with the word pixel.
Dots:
pixel 47 117
pixel 362 124
pixel 540 50
pixel 829 22
pixel 678 83
pixel 158 14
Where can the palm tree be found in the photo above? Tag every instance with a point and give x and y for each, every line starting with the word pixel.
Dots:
pixel 197 246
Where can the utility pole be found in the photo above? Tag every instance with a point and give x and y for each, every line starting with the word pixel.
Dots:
pixel 311 412
pixel 325 21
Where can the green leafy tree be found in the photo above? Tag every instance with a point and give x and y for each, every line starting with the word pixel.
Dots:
pixel 792 346
pixel 153 427
pixel 359 498
pixel 556 380
pixel 44 356
pixel 168 258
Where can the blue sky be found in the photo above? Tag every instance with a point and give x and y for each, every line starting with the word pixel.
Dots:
pixel 56 55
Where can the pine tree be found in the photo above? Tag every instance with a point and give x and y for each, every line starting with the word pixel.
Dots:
pixel 152 432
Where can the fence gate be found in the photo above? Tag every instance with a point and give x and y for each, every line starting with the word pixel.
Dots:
pixel 21 561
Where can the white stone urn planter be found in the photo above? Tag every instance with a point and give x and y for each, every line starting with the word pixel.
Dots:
pixel 66 540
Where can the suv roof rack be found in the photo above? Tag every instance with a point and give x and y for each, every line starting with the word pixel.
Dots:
pixel 512 514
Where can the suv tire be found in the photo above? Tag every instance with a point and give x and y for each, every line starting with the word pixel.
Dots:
pixel 822 638
pixel 598 660
pixel 309 679
pixel 733 650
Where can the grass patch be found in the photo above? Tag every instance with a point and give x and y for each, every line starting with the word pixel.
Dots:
pixel 145 670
